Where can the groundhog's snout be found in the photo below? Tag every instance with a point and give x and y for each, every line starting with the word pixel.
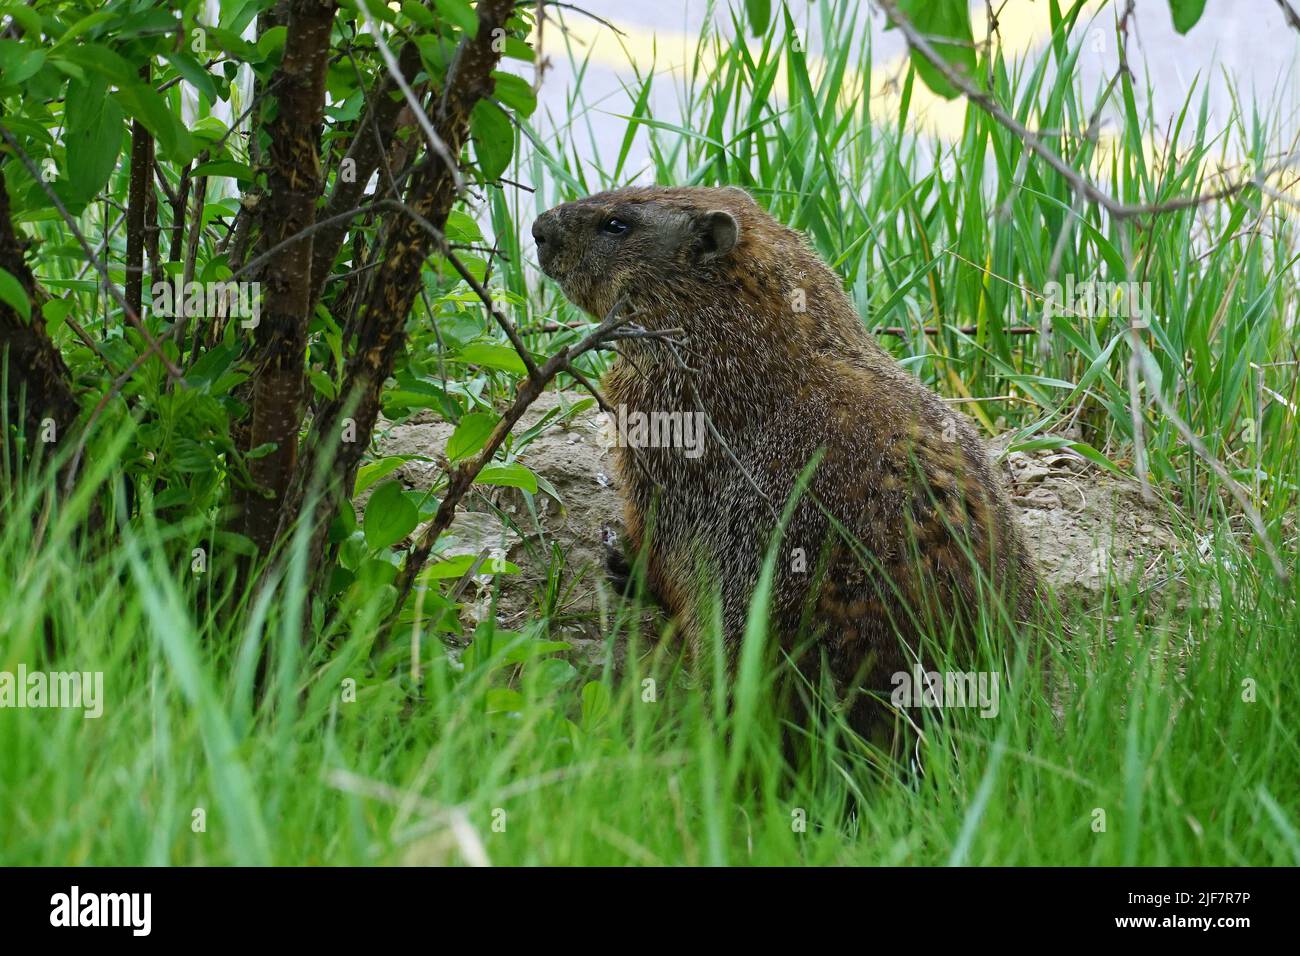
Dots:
pixel 546 234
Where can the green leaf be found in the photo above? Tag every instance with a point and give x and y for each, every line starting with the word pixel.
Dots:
pixel 140 100
pixel 232 43
pixel 144 104
pixel 208 130
pixel 390 516
pixel 367 475
pixel 94 138
pixel 508 474
pixel 322 383
pixel 418 15
pixel 470 435
pixel 530 650
pixel 211 366
pixel 194 73
pixel 272 41
pixel 460 13
pixel 494 138
pixel 551 673
pixel 946 25
pixel 353 550
pixel 515 92
pixel 378 10
pixel 502 700
pixel 517 49
pixel 405 398
pixel 84 24
pixel 373 573
pixel 1186 13
pixel 234 542
pixel 24 15
pixel 191 457
pixel 349 109
pixel 760 14
pixel 491 355
pixel 12 293
pixel 18 62
pixel 455 568
pixel 224 167
pixel 595 703
pixel 462 228
pixel 55 311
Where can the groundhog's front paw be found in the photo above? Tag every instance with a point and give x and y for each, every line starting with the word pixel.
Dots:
pixel 617 567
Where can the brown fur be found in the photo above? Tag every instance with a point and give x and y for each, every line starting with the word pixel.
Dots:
pixel 902 498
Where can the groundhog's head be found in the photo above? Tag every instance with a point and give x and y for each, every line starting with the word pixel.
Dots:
pixel 637 241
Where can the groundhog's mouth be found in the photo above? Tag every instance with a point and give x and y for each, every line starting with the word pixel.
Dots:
pixel 560 276
pixel 565 279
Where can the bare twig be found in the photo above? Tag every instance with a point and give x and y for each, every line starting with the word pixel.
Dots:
pixel 497 313
pixel 461 475
pixel 1291 17
pixel 302 234
pixel 576 9
pixel 151 344
pixel 431 136
pixel 1078 182
pixel 603 404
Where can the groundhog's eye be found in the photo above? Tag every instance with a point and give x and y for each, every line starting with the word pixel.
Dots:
pixel 613 226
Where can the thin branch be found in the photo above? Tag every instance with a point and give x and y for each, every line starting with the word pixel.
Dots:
pixel 302 234
pixel 151 344
pixel 497 313
pixel 462 475
pixel 1288 12
pixel 431 136
pixel 1078 182
pixel 137 200
pixel 576 9
pixel 603 404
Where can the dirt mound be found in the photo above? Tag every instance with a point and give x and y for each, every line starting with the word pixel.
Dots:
pixel 562 526
pixel 1082 523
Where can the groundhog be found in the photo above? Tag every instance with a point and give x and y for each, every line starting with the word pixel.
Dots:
pixel 901 527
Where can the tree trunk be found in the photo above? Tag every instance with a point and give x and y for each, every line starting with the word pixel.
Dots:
pixel 38 392
pixel 380 328
pixel 374 135
pixel 294 184
pixel 136 204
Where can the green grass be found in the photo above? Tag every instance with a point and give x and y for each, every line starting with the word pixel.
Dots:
pixel 1142 718
pixel 1167 715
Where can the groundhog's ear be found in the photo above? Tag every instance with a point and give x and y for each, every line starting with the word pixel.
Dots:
pixel 718 234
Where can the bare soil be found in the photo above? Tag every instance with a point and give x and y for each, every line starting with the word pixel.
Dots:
pixel 1083 524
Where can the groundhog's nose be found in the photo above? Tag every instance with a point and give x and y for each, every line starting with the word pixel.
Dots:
pixel 545 232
